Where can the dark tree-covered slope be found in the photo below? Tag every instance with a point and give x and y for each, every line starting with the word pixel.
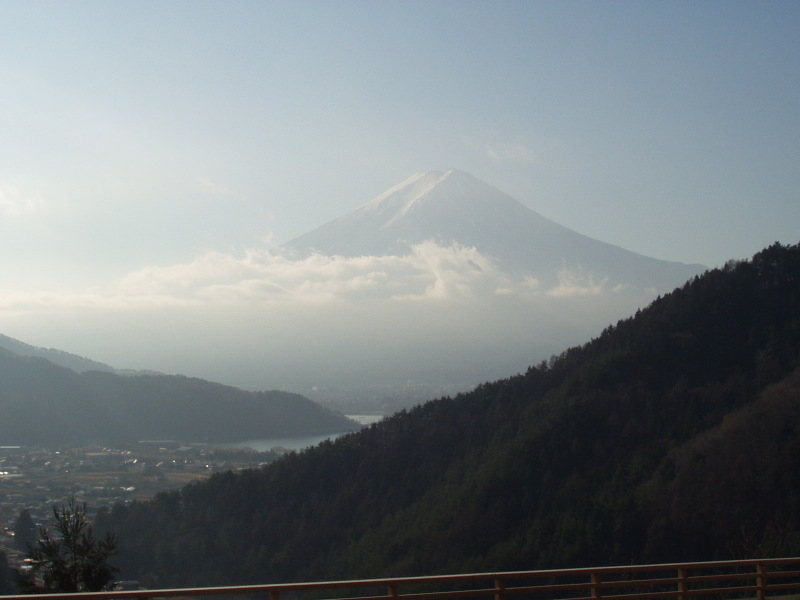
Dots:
pixel 671 436
pixel 42 403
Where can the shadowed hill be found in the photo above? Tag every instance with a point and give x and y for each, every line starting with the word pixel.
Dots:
pixel 672 436
pixel 45 404
pixel 76 363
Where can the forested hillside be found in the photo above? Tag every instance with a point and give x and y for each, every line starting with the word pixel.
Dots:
pixel 45 404
pixel 671 436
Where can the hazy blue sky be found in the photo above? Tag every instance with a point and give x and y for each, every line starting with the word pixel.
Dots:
pixel 149 134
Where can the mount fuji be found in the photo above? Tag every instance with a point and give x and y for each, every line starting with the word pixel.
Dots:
pixel 438 284
pixel 453 208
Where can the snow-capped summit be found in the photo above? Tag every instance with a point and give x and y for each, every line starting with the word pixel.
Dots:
pixel 455 189
pixel 453 207
pixel 444 206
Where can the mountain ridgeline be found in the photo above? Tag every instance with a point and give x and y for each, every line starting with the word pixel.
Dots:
pixel 452 207
pixel 671 436
pixel 42 403
pixel 76 363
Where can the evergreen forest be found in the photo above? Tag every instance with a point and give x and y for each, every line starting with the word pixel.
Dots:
pixel 671 436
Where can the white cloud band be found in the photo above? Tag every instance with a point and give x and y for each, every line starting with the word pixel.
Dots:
pixel 429 272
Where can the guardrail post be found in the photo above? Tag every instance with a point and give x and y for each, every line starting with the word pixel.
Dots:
pixel 393 590
pixel 761 581
pixel 274 595
pixel 499 589
pixel 596 580
pixel 683 584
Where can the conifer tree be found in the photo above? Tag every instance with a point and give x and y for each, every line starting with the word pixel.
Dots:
pixel 73 561
pixel 24 530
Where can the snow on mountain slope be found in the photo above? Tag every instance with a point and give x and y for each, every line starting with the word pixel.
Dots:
pixel 454 208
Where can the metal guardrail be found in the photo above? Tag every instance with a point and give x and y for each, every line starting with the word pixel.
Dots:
pixel 752 579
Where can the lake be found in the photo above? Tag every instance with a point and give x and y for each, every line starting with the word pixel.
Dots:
pixel 296 443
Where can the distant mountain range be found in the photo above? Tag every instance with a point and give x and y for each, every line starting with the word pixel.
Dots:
pixel 80 401
pixel 453 207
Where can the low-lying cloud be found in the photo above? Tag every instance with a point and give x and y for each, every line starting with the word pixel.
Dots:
pixel 264 319
pixel 430 272
pixel 14 202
